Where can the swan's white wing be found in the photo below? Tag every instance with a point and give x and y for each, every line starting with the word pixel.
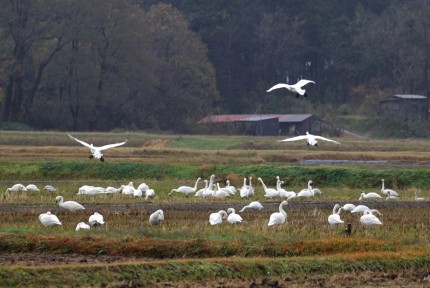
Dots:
pixel 303 82
pixel 326 139
pixel 82 142
pixel 277 86
pixel 112 145
pixel 301 137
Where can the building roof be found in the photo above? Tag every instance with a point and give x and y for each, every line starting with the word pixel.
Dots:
pixel 254 117
pixel 409 96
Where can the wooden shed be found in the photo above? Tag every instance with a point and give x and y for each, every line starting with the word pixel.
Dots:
pixel 409 106
pixel 263 124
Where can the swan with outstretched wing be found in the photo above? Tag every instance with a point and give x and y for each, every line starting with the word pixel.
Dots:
pixel 310 139
pixel 96 152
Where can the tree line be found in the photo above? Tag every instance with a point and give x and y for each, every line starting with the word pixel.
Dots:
pixel 163 65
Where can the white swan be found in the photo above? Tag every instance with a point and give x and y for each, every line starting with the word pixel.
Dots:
pixel 96 152
pixel 69 205
pixel 16 188
pixel 216 218
pixel 199 193
pixel 370 196
pixel 96 219
pixel 230 187
pixel 386 191
pixel 143 187
pixel 137 193
pixel 91 190
pixel 334 218
pixel 82 225
pixel 32 187
pixel 391 197
pixel 50 188
pixel 208 192
pixel 306 193
pixel 233 218
pixel 311 140
pixel 48 219
pixel 111 190
pixel 254 205
pixel 295 88
pixel 348 207
pixel 244 190
pixel 187 190
pixel 418 198
pixel 149 193
pixel 361 208
pixel 127 189
pixel 269 192
pixel 156 218
pixel 221 192
pixel 282 192
pixel 368 219
pixel 278 218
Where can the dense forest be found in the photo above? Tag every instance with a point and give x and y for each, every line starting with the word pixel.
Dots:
pixel 163 65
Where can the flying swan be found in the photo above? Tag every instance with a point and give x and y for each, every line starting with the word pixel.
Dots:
pixel 96 152
pixel 311 140
pixel 295 88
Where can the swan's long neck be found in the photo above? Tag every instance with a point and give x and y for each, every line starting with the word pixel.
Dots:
pixel 278 185
pixel 197 183
pixel 211 181
pixel 334 208
pixel 250 182
pixel 281 209
pixel 309 185
pixel 206 184
pixel 264 185
pixel 60 202
pixel 383 186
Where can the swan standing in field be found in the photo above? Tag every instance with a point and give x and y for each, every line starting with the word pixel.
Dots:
pixel 307 192
pixel 295 88
pixel 368 219
pixel 369 196
pixel 199 193
pixel 96 219
pixel 69 205
pixel 50 188
pixel 111 190
pixel 221 192
pixel 269 192
pixel 280 217
pixel 16 188
pixel 82 225
pixel 418 198
pixel 216 218
pixel 233 218
pixel 282 192
pixel 254 205
pixel 386 191
pixel 210 190
pixel 32 187
pixel 187 190
pixel 391 197
pixel 96 152
pixel 149 193
pixel 143 187
pixel 230 187
pixel 348 207
pixel 48 219
pixel 334 218
pixel 311 140
pixel 156 218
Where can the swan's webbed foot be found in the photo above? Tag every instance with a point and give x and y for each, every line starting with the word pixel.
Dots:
pixel 305 95
pixel 316 145
pixel 102 159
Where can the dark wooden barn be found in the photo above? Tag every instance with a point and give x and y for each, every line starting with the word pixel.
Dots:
pixel 413 107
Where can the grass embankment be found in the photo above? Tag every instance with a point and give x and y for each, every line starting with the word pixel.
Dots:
pixel 332 176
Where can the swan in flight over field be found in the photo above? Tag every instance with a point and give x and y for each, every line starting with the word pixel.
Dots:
pixel 48 219
pixel 216 218
pixel 388 192
pixel 156 218
pixel 370 196
pixel 334 218
pixel 278 218
pixel 254 205
pixel 96 219
pixel 295 88
pixel 233 218
pixel 69 205
pixel 82 225
pixel 96 152
pixel 311 140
